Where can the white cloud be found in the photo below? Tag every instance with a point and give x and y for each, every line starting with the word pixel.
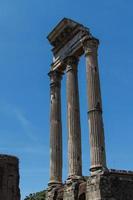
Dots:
pixel 26 139
pixel 20 118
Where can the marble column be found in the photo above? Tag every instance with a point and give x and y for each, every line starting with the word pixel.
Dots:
pixel 96 129
pixel 73 119
pixel 55 129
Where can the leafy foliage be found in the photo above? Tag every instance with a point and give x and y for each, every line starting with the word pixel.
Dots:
pixel 37 196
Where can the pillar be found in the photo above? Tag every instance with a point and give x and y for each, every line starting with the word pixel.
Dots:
pixel 96 129
pixel 73 119
pixel 55 128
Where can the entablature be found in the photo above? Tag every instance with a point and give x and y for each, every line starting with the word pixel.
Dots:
pixel 67 40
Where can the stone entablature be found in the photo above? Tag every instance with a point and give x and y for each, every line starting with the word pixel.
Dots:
pixel 67 39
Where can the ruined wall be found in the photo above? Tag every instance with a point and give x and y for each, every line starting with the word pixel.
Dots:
pixel 9 178
pixel 113 185
pixel 106 185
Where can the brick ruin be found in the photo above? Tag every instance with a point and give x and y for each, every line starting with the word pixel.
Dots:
pixel 9 178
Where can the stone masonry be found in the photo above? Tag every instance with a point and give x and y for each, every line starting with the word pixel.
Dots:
pixel 105 185
pixel 9 178
pixel 71 40
pixel 110 185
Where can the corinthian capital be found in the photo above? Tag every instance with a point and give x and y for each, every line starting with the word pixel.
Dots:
pixel 55 78
pixel 90 46
pixel 71 63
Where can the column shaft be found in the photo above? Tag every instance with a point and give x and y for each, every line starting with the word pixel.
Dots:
pixel 96 129
pixel 73 119
pixel 55 129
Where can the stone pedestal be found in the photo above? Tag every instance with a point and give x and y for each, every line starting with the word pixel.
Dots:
pixel 110 185
pixel 9 178
pixel 72 189
pixel 55 192
pixel 105 185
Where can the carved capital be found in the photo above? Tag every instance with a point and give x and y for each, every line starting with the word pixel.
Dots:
pixel 55 78
pixel 71 63
pixel 90 46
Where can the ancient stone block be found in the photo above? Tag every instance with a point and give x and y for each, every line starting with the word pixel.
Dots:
pixel 110 185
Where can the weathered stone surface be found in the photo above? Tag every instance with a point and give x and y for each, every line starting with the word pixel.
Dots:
pixel 74 189
pixel 55 192
pixel 110 186
pixel 95 120
pixel 66 41
pixel 105 185
pixel 55 128
pixel 9 178
pixel 73 119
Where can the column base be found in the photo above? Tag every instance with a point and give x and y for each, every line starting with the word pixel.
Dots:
pixel 72 187
pixel 54 191
pixel 97 169
pixel 74 178
pixel 54 183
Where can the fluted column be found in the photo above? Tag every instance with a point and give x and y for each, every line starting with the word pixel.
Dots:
pixel 55 128
pixel 96 129
pixel 73 119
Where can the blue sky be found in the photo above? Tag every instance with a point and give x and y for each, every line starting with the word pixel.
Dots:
pixel 25 58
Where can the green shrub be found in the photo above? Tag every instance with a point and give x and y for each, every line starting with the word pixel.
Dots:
pixel 36 196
